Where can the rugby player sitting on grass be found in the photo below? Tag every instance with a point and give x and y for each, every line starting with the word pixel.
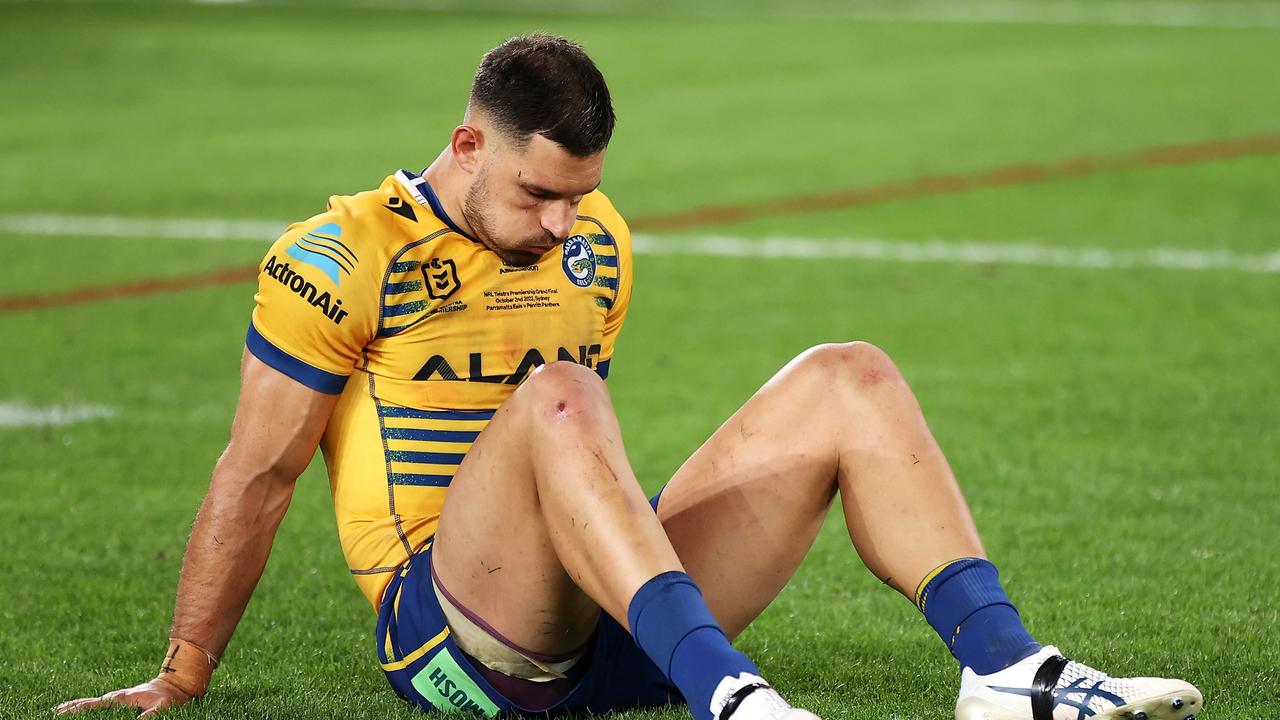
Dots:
pixel 445 340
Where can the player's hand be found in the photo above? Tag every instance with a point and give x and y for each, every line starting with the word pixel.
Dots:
pixel 149 697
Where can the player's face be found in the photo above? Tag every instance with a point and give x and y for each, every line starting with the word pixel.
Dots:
pixel 524 200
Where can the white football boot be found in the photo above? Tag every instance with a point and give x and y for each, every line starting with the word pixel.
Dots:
pixel 1047 686
pixel 749 697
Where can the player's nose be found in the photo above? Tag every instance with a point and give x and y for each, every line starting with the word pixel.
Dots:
pixel 558 219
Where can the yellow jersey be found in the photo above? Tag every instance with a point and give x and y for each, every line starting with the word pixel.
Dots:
pixel 423 332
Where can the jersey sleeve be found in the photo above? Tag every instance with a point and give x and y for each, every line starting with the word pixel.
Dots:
pixel 317 302
pixel 617 313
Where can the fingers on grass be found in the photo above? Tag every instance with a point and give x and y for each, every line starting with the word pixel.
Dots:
pixel 75 706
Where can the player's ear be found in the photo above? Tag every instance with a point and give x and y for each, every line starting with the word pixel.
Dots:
pixel 467 145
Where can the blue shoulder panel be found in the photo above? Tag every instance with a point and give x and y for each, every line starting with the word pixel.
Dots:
pixel 309 375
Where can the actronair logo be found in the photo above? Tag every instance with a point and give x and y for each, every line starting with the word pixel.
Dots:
pixel 330 306
pixel 322 249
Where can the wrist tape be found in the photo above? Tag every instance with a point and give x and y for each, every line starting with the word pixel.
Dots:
pixel 188 667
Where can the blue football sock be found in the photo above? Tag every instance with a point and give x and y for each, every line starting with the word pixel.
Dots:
pixel 965 604
pixel 671 623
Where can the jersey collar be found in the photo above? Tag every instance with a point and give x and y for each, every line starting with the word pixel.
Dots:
pixel 418 187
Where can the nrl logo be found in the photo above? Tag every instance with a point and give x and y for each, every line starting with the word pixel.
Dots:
pixel 441 277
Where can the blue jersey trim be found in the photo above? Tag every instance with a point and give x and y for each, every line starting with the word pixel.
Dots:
pixel 309 375
pixel 408 308
pixel 425 458
pixel 403 287
pixel 398 411
pixel 454 436
pixel 401 266
pixel 437 209
pixel 607 240
pixel 419 480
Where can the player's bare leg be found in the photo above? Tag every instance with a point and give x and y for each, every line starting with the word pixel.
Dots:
pixel 545 524
pixel 837 418
pixel 841 418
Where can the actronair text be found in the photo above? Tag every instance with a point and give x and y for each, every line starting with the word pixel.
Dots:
pixel 330 306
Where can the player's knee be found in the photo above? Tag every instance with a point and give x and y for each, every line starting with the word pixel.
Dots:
pixel 855 364
pixel 564 390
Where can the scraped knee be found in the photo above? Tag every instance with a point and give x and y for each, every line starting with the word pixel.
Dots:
pixel 561 390
pixel 855 364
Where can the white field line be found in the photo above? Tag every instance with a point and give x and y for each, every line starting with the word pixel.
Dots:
pixel 20 415
pixel 1132 13
pixel 959 253
pixel 932 251
pixel 127 227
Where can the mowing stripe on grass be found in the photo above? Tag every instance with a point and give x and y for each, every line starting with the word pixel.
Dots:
pixel 861 248
pixel 21 415
pixel 962 253
pixel 1121 13
pixel 1014 175
pixel 133 227
pixel 934 251
pixel 131 289
pixel 871 249
pixel 874 249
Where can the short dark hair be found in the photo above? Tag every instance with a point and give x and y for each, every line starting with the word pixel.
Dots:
pixel 545 85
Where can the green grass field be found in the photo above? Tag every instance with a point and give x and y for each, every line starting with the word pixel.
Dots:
pixel 1117 431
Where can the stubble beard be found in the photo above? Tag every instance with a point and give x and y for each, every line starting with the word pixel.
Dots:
pixel 475 211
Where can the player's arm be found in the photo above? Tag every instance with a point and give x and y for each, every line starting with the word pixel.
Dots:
pixel 299 353
pixel 275 433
